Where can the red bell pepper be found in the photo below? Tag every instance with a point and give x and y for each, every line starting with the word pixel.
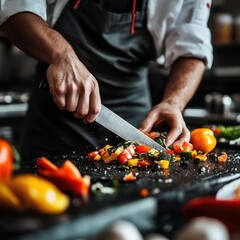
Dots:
pixel 6 160
pixel 67 177
pixel 227 211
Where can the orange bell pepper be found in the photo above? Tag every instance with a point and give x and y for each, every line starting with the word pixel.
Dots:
pixel 67 177
pixel 203 139
pixel 6 160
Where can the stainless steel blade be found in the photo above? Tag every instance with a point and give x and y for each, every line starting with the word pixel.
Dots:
pixel 124 129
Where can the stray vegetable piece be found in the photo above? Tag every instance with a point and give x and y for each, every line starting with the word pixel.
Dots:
pixel 223 157
pixel 144 192
pixel 129 177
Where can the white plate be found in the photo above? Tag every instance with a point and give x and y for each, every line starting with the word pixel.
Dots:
pixel 227 191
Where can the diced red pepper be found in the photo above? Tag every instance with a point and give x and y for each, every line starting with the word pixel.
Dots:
pixel 187 147
pixel 144 162
pixel 92 154
pixel 69 170
pixel 122 158
pixel 45 164
pixel 153 135
pixel 169 151
pixel 67 177
pixel 142 149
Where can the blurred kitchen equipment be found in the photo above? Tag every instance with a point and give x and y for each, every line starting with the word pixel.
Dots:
pixel 237 28
pixel 222 28
pixel 217 103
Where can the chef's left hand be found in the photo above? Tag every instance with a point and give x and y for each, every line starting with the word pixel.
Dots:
pixel 164 115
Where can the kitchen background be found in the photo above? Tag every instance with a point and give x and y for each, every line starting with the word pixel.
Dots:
pixel 216 101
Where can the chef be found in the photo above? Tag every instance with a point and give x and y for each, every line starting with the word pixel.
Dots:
pixel 98 51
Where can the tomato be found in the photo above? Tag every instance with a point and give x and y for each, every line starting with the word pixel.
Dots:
pixel 203 139
pixel 142 149
pixel 6 160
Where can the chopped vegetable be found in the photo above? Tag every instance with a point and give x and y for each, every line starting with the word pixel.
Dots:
pixel 223 157
pixel 142 149
pixel 67 177
pixel 129 177
pixel 144 192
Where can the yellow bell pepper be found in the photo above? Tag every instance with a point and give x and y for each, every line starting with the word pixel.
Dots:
pixel 35 194
pixel 203 139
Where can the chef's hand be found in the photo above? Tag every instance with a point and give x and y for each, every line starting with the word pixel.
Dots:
pixel 167 115
pixel 74 88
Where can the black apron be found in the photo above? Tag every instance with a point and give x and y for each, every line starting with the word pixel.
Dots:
pixel 118 60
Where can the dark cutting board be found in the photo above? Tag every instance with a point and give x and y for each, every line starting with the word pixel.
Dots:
pixel 191 179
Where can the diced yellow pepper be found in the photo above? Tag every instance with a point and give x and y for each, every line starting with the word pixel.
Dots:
pixel 201 157
pixel 133 162
pixel 194 153
pixel 119 150
pixel 176 158
pixel 97 157
pixel 154 152
pixel 164 164
pixel 104 149
pixel 107 158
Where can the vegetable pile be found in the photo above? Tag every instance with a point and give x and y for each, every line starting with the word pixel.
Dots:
pixel 46 194
pixel 132 154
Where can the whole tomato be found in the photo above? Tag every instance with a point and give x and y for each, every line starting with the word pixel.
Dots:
pixel 6 159
pixel 203 139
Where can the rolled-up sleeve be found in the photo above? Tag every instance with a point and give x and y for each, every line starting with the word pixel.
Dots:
pixel 9 8
pixel 190 37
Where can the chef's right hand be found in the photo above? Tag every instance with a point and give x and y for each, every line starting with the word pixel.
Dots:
pixel 74 88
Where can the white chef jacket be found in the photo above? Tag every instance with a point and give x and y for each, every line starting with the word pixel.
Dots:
pixel 178 27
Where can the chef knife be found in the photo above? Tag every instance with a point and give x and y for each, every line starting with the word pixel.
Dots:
pixel 119 126
pixel 124 129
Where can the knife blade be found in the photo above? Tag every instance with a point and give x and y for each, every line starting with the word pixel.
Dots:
pixel 124 129
pixel 119 126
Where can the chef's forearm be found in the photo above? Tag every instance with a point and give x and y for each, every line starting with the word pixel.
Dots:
pixel 34 36
pixel 184 79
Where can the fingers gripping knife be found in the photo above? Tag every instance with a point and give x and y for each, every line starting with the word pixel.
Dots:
pixel 120 127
